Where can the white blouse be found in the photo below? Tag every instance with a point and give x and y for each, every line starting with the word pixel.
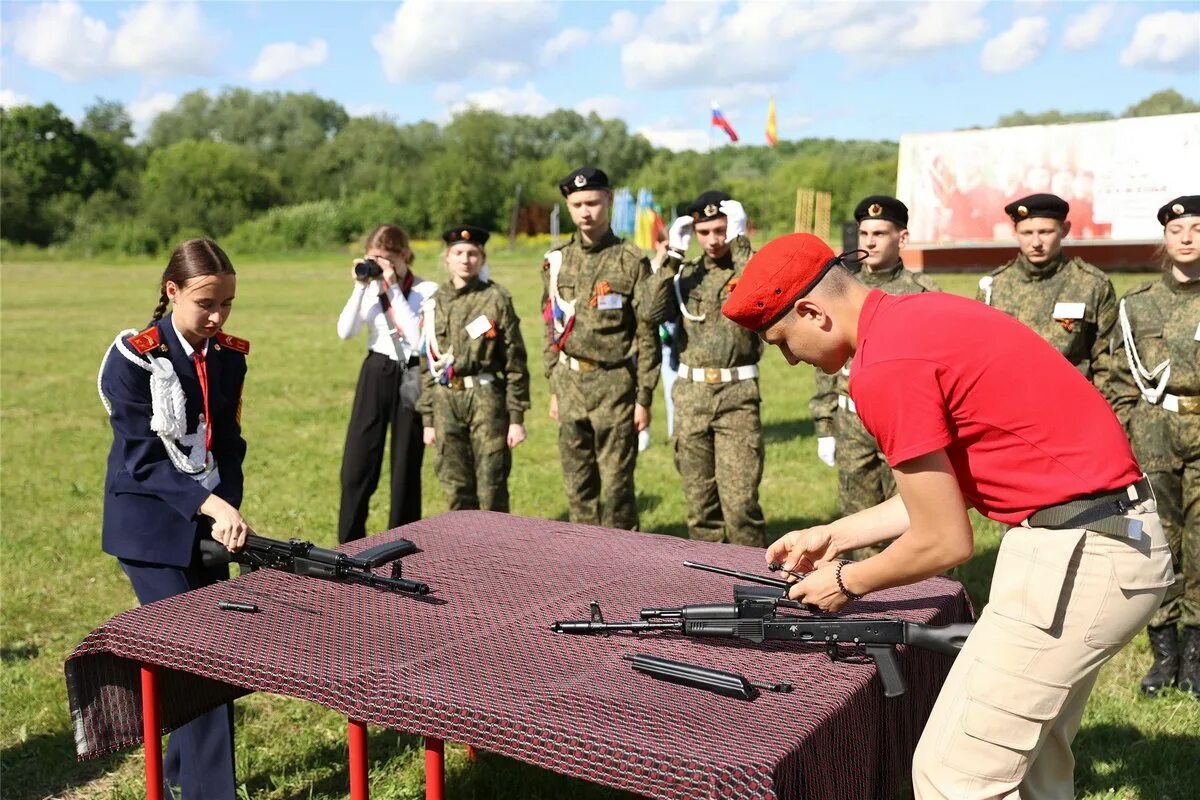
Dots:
pixel 362 308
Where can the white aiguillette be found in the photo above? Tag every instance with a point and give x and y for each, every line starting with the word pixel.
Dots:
pixel 1069 310
pixel 478 326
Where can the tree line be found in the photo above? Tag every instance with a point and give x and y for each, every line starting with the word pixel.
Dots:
pixel 271 171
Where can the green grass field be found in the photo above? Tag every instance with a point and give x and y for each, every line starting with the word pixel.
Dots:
pixel 57 320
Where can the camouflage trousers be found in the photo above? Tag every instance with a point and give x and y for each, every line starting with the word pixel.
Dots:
pixel 719 455
pixel 864 477
pixel 1178 496
pixel 597 444
pixel 473 459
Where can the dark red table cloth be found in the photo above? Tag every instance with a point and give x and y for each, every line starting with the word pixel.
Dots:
pixel 480 665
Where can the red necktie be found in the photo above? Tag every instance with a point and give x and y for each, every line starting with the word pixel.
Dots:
pixel 202 375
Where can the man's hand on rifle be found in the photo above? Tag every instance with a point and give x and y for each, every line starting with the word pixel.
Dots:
pixel 804 550
pixel 228 526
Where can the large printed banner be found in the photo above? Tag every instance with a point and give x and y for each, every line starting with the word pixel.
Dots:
pixel 1114 174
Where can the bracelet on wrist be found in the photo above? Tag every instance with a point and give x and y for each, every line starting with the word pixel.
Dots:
pixel 837 574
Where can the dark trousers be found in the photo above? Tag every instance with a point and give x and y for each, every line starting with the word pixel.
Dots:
pixel 385 395
pixel 199 760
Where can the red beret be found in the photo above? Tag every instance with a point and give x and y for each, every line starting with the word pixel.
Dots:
pixel 776 277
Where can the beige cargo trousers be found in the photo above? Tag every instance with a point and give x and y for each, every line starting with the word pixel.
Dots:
pixel 1062 603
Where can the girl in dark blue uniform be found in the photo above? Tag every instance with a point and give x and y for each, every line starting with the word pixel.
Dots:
pixel 173 392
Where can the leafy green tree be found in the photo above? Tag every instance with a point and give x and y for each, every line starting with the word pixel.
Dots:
pixel 1167 101
pixel 204 186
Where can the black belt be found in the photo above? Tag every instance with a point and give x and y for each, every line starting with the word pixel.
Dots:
pixel 413 360
pixel 1103 512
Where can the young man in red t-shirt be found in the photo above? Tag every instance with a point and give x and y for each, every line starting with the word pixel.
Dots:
pixel 973 409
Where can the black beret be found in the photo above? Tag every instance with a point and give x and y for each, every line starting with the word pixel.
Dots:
pixel 466 233
pixel 583 178
pixel 1186 206
pixel 880 206
pixel 707 206
pixel 1044 206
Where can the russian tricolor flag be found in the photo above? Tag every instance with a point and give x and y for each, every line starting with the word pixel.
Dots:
pixel 719 121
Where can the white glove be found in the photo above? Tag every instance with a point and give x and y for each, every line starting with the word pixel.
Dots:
pixel 680 235
pixel 736 217
pixel 826 447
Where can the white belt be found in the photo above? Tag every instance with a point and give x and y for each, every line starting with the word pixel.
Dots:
pixel 845 403
pixel 718 374
pixel 471 381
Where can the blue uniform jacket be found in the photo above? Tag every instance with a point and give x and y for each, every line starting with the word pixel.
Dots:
pixel 150 508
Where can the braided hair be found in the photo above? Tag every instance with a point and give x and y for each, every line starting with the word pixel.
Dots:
pixel 194 258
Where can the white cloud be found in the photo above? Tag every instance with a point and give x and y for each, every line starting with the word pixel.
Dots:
pixel 622 26
pixel 566 41
pixel 10 99
pixel 678 139
pixel 155 39
pixel 1084 30
pixel 526 100
pixel 58 37
pixel 1017 47
pixel 143 110
pixel 695 44
pixel 280 59
pixel 607 106
pixel 1170 41
pixel 500 39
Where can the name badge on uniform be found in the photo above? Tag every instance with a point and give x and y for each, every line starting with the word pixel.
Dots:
pixel 610 302
pixel 1069 310
pixel 478 326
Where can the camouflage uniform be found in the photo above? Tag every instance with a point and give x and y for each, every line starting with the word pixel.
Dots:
pixel 1033 294
pixel 864 477
pixel 596 378
pixel 1164 323
pixel 718 432
pixel 471 417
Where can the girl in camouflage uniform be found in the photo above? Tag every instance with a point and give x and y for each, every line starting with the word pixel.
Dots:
pixel 476 384
pixel 1155 387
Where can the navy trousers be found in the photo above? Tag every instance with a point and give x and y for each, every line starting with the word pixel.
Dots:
pixel 199 760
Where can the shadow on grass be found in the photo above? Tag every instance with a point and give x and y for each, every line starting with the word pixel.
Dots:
pixel 27 770
pixel 489 777
pixel 787 430
pixel 1165 767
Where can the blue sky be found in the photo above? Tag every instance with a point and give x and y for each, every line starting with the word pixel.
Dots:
pixel 852 69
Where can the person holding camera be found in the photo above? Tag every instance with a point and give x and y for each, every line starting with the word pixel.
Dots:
pixel 386 300
pixel 476 383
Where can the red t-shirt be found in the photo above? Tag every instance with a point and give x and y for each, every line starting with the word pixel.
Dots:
pixel 1023 428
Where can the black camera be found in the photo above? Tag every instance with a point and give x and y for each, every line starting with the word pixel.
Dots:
pixel 368 269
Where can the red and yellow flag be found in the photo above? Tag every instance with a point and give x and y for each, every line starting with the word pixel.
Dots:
pixel 772 133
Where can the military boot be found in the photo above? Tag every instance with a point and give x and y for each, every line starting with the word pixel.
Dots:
pixel 1189 664
pixel 1165 647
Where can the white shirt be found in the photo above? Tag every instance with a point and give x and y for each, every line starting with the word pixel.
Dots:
pixel 362 308
pixel 187 347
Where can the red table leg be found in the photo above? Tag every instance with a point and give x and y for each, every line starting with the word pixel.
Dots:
pixel 435 768
pixel 152 733
pixel 357 735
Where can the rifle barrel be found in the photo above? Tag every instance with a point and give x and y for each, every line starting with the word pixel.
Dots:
pixel 745 576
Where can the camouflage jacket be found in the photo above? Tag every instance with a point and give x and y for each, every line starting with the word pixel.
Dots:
pixel 497 349
pixel 1047 299
pixel 896 280
pixel 622 325
pixel 705 337
pixel 1162 321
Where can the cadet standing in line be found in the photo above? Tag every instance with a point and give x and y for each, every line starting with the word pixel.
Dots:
pixel 864 479
pixel 1070 303
pixel 476 386
pixel 602 308
pixel 718 432
pixel 961 431
pixel 1155 382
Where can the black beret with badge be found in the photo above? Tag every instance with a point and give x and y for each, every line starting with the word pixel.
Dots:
pixel 707 206
pixel 466 233
pixel 582 179
pixel 881 206
pixel 1186 206
pixel 1042 206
